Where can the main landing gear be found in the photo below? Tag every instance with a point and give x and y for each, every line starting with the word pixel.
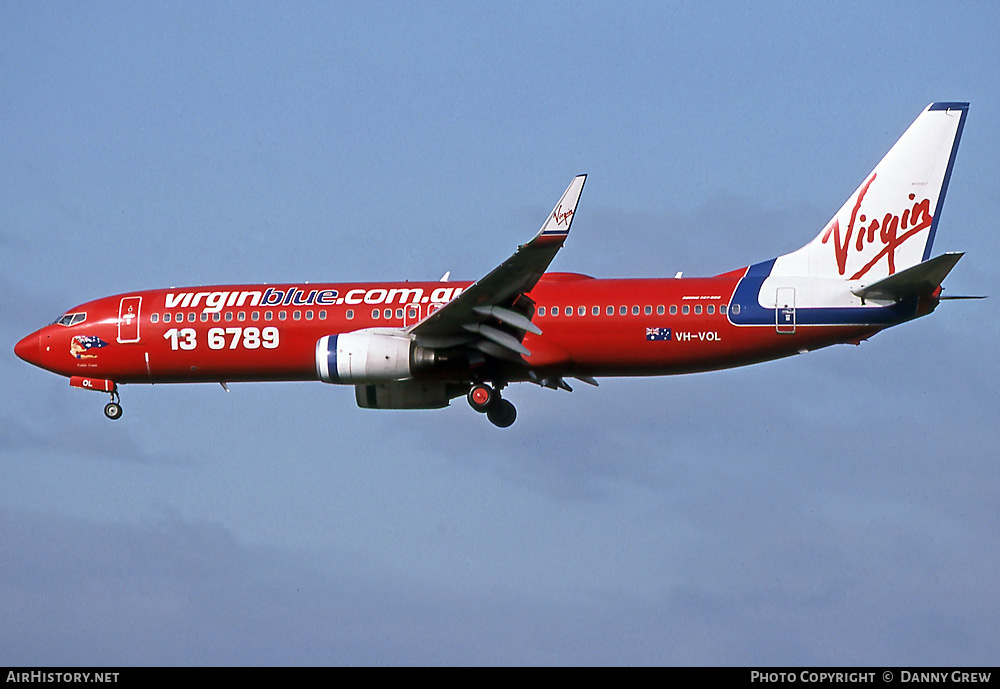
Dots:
pixel 486 399
pixel 113 409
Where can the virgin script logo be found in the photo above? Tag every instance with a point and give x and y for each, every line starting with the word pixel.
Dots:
pixel 562 217
pixel 884 232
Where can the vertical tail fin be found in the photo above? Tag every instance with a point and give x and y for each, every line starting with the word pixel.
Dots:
pixel 888 223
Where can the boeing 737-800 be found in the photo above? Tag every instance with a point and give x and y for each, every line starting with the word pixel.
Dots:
pixel 418 345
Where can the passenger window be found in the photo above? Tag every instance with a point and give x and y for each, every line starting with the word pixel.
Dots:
pixel 648 310
pixel 399 313
pixel 297 315
pixel 268 315
pixel 322 315
pixel 387 313
pixel 622 310
pixel 216 317
pixel 673 309
pixel 541 310
pixel 722 309
pixel 659 310
pixel 736 308
pixel 697 309
pixel 568 310
pixel 635 310
pixel 610 311
pixel 255 316
pixel 229 315
pixel 710 309
pixel 155 318
pixel 282 315
pixel 166 318
pixel 350 314
pixel 309 315
pixel 192 317
pixel 204 317
pixel 581 311
pixel 376 313
pixel 241 316
pixel 685 309
pixel 596 311
pixel 555 310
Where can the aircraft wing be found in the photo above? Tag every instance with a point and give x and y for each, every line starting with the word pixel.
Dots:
pixel 469 318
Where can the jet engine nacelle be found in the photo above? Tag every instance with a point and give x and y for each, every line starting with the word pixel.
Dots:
pixel 372 355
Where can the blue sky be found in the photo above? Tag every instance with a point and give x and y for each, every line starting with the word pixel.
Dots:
pixel 835 508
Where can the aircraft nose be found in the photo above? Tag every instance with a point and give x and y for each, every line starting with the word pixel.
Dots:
pixel 29 348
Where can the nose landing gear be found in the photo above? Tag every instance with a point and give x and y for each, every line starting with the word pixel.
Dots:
pixel 486 399
pixel 113 409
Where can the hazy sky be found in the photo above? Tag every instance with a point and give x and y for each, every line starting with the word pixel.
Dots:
pixel 835 508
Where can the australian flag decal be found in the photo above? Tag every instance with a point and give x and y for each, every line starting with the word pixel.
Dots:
pixel 81 346
pixel 657 334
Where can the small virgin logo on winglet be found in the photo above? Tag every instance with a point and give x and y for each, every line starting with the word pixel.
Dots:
pixel 562 217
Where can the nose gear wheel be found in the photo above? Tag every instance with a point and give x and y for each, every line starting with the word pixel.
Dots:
pixel 113 409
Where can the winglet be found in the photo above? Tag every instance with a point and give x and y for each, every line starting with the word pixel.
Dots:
pixel 561 217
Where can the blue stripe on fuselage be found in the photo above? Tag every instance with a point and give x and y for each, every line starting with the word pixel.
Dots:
pixel 752 313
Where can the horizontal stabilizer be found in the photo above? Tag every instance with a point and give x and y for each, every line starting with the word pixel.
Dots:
pixel 920 280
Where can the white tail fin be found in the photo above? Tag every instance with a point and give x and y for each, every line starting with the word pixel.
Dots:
pixel 888 224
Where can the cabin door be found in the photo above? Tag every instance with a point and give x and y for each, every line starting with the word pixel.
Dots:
pixel 784 310
pixel 128 319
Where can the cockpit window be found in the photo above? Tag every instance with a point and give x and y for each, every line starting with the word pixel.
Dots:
pixel 72 319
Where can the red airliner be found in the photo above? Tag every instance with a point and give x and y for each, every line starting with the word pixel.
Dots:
pixel 418 345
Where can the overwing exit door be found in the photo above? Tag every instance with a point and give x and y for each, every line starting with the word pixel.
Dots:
pixel 411 314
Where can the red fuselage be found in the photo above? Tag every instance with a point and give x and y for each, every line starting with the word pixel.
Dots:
pixel 591 327
pixel 420 345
